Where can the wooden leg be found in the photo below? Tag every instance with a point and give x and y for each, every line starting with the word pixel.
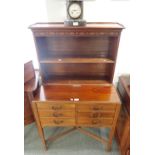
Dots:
pixel 110 139
pixel 40 129
pixel 113 128
pixel 41 133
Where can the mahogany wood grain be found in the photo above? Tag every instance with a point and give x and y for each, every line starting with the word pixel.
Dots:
pixel 96 107
pixel 95 114
pixel 32 84
pixel 91 94
pixel 71 79
pixel 75 80
pixel 39 127
pixel 124 91
pixel 29 72
pixel 76 60
pixel 55 106
pixel 113 127
pixel 30 87
pixel 104 122
pixel 56 113
pixel 110 25
pixel 100 99
pixel 123 124
pixel 73 70
pixel 48 121
pixel 28 115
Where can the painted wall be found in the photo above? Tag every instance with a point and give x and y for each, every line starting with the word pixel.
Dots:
pixel 32 11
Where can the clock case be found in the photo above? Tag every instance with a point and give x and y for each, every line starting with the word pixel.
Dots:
pixel 70 21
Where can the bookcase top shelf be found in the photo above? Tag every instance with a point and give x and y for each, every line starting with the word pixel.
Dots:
pixel 110 25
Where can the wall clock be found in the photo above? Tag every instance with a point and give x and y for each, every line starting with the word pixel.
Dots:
pixel 74 13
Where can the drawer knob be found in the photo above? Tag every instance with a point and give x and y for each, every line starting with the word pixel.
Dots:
pixel 57 114
pixel 58 121
pixel 57 107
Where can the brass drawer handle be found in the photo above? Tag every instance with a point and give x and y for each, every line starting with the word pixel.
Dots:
pixel 58 121
pixel 57 114
pixel 56 107
pixel 96 108
pixel 95 121
pixel 94 115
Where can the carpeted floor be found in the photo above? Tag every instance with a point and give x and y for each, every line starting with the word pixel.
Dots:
pixel 73 144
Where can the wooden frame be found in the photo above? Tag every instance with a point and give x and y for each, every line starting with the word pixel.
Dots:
pixel 77 66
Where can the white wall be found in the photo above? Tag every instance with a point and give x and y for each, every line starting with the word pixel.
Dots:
pixel 102 10
pixel 32 11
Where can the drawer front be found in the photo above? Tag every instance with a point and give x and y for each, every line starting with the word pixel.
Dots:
pixel 98 114
pixel 95 122
pixel 96 107
pixel 56 122
pixel 54 106
pixel 55 114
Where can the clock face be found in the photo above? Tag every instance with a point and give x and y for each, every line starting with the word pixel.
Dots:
pixel 74 10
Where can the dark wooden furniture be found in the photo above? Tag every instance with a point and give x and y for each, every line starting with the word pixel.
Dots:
pixel 123 124
pixel 77 67
pixel 30 86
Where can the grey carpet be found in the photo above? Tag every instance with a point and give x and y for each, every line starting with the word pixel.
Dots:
pixel 73 144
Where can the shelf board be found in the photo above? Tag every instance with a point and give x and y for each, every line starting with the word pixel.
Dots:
pixel 76 80
pixel 68 82
pixel 76 60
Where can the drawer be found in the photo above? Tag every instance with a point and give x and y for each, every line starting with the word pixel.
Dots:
pixel 96 107
pixel 54 106
pixel 47 121
pixel 98 114
pixel 51 113
pixel 95 122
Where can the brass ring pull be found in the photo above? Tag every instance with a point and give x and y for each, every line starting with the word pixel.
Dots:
pixel 94 115
pixel 95 121
pixel 57 107
pixel 96 108
pixel 58 121
pixel 57 114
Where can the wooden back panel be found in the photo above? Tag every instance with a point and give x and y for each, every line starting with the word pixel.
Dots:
pixel 73 70
pixel 73 47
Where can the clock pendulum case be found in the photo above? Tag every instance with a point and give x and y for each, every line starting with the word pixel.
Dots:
pixel 74 13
